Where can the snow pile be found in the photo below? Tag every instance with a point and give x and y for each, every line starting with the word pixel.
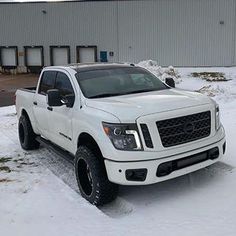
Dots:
pixel 159 71
pixel 220 92
pixel 219 83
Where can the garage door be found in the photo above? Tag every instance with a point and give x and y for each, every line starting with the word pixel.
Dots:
pixel 60 56
pixel 34 56
pixel 8 57
pixel 86 54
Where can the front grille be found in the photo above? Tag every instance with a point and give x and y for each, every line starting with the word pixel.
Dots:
pixel 184 129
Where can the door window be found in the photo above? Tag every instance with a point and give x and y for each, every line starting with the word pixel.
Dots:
pixel 47 81
pixel 63 84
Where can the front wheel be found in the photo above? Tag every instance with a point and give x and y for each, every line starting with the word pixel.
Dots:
pixel 92 178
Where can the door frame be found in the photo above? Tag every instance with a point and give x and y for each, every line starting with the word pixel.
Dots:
pixel 86 46
pixel 59 46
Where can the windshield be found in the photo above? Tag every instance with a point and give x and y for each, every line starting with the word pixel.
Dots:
pixel 117 81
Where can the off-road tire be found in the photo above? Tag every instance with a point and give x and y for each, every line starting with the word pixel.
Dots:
pixel 26 134
pixel 101 191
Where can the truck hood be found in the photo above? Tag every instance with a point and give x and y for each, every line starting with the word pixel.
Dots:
pixel 128 108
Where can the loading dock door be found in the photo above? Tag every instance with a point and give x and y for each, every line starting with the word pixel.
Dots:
pixel 9 57
pixel 86 54
pixel 34 56
pixel 60 55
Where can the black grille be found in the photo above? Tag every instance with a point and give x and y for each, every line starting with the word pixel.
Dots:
pixel 184 129
pixel 147 136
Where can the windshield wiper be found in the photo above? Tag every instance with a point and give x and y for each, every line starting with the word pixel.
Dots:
pixel 142 91
pixel 103 95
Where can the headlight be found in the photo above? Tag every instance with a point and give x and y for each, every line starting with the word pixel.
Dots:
pixel 217 117
pixel 123 136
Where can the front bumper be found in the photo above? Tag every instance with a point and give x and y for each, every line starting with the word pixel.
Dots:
pixel 116 171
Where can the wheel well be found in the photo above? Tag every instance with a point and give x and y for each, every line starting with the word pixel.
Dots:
pixel 24 113
pixel 87 140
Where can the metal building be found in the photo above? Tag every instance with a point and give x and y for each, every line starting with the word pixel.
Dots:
pixel 172 32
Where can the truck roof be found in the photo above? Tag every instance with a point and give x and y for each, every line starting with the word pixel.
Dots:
pixel 93 66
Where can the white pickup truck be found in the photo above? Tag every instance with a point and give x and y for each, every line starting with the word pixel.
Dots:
pixel 120 125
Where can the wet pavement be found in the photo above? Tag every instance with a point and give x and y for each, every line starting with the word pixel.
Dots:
pixel 10 83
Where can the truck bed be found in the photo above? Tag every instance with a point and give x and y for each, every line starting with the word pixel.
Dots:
pixel 29 89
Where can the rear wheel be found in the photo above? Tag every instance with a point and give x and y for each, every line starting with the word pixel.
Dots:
pixel 92 178
pixel 27 136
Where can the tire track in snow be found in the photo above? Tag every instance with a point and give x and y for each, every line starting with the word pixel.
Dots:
pixel 58 166
pixel 65 171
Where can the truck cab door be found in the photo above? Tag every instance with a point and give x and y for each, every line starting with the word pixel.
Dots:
pixel 47 81
pixel 60 118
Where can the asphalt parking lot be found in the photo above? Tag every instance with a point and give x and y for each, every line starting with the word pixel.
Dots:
pixel 10 83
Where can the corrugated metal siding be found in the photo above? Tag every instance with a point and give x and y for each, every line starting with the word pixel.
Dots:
pixel 73 24
pixel 177 32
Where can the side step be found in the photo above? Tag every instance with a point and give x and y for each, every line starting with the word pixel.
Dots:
pixel 56 149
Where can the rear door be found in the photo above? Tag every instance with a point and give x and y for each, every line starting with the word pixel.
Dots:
pixel 60 118
pixel 40 106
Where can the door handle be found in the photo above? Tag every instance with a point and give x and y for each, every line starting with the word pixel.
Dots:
pixel 35 103
pixel 50 108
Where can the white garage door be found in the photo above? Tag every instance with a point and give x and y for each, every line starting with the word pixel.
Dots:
pixel 9 57
pixel 86 55
pixel 34 57
pixel 60 56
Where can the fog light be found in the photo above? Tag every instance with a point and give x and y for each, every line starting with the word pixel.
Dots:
pixel 213 153
pixel 164 169
pixel 136 174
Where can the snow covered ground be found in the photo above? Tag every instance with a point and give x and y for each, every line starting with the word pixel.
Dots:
pixel 39 196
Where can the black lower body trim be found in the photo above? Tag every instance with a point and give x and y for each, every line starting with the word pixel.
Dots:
pixel 56 149
pixel 168 167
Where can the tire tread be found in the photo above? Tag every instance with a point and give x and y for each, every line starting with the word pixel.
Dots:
pixel 105 191
pixel 30 142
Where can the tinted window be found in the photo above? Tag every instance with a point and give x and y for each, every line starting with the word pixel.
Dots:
pixel 47 81
pixel 63 84
pixel 117 81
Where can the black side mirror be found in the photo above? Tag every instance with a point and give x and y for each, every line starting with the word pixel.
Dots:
pixel 170 82
pixel 54 98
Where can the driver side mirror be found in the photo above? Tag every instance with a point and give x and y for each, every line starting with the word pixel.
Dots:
pixel 54 98
pixel 170 82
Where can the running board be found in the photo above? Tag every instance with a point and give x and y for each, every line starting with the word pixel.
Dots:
pixel 56 149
